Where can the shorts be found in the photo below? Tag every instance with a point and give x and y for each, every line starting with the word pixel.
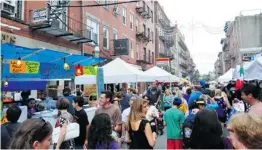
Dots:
pixel 174 144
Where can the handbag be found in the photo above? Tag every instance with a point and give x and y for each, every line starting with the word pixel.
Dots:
pixel 72 131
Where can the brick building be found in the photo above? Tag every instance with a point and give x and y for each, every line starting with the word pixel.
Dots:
pixel 77 29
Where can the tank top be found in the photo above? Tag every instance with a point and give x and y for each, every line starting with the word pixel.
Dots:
pixel 138 138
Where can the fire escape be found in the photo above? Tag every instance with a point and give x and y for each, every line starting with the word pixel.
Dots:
pixel 59 24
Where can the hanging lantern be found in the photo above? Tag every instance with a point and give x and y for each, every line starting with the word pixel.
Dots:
pixel 78 70
pixel 6 83
pixel 66 66
pixel 19 61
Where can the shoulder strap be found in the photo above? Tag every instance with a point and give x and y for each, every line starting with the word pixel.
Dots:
pixel 142 125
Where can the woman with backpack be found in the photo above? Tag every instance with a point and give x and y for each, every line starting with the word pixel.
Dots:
pixel 207 132
pixel 223 106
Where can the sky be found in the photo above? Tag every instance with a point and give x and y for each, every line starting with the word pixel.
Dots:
pixel 202 23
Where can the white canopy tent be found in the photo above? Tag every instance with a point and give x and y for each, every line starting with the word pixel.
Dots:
pixel 117 71
pixel 162 75
pixel 236 73
pixel 254 70
pixel 227 76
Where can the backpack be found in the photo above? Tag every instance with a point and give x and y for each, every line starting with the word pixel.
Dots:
pixel 187 130
pixel 222 108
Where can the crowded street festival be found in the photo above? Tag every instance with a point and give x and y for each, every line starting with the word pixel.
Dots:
pixel 78 80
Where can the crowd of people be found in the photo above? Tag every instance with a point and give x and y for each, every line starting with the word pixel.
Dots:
pixel 194 117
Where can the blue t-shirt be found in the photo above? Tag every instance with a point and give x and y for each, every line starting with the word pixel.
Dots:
pixel 167 100
pixel 193 97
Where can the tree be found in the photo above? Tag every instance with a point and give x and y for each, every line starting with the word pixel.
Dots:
pixel 195 77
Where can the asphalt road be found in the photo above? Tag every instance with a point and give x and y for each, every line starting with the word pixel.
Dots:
pixel 161 141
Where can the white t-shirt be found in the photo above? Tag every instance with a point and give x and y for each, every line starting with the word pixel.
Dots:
pixel 125 114
pixel 151 113
pixel 184 88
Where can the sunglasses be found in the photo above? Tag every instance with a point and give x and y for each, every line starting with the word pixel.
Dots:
pixel 41 127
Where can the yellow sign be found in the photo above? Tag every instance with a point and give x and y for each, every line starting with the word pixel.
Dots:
pixel 16 67
pixel 32 67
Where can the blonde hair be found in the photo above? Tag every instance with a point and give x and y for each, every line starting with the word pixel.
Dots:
pixel 136 112
pixel 218 93
pixel 248 128
pixel 179 94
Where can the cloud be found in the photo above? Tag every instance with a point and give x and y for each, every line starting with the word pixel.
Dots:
pixel 202 21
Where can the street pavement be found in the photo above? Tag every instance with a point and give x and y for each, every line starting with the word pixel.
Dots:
pixel 161 141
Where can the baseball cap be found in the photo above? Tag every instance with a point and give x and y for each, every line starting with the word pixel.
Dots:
pixel 177 101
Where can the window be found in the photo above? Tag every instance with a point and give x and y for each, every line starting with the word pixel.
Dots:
pixel 137 4
pixel 105 37
pixel 131 49
pixel 152 20
pixel 153 58
pixel 105 2
pixel 131 21
pixel 115 34
pixel 115 1
pixel 149 59
pixel 93 30
pixel 152 37
pixel 137 51
pixel 137 24
pixel 148 33
pixel 19 9
pixel 144 54
pixel 144 29
pixel 144 5
pixel 124 15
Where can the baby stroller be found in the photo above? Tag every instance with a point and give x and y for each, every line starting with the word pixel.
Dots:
pixel 159 121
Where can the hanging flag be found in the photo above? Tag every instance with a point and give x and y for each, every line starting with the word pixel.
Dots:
pixel 241 72
pixel 86 70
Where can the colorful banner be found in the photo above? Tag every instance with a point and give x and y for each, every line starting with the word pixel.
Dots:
pixel 30 67
pixel 86 70
pixel 90 70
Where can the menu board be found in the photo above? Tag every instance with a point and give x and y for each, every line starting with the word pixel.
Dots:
pixel 17 68
pixel 30 67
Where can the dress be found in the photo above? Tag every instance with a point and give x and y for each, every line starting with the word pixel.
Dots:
pixel 138 138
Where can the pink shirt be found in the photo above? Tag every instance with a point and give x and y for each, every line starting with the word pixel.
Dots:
pixel 256 109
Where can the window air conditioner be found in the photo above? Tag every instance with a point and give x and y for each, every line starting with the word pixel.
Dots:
pixel 7 8
pixel 116 11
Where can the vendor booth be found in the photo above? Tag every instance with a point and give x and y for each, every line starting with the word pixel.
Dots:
pixel 225 78
pixel 117 71
pixel 162 75
pixel 254 70
pixel 31 69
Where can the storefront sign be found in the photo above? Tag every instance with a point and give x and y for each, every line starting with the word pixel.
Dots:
pixel 8 38
pixel 121 47
pixel 40 15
